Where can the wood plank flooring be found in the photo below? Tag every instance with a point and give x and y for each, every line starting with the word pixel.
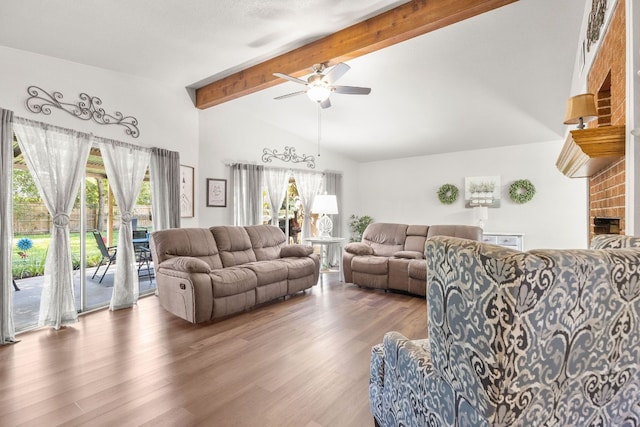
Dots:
pixel 300 362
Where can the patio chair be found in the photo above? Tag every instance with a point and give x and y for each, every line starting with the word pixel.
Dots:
pixel 141 247
pixel 108 256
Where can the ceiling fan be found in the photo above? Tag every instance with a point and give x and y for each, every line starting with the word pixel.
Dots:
pixel 320 84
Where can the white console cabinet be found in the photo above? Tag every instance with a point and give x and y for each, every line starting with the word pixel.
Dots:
pixel 509 240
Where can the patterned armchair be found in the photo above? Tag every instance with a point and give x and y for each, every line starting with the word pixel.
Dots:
pixel 538 338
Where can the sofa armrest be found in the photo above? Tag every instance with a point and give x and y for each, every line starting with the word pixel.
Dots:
pixel 295 251
pixel 359 248
pixel 406 380
pixel 185 264
pixel 408 255
pixel 376 382
pixel 614 241
pixel 399 350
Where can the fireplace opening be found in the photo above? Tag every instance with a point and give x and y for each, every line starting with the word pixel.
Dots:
pixel 606 225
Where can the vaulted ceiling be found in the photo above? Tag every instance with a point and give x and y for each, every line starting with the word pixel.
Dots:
pixel 499 78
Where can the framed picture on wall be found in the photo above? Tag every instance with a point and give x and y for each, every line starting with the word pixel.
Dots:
pixel 216 193
pixel 482 191
pixel 186 191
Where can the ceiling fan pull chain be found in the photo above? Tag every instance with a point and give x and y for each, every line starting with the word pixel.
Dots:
pixel 319 127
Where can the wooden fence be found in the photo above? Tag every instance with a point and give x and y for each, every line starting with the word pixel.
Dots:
pixel 34 218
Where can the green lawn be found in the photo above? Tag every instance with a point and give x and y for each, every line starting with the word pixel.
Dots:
pixel 32 264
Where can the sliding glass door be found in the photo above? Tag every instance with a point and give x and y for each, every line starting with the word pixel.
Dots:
pixel 93 230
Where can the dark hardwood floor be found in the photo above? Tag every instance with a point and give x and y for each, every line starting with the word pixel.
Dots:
pixel 300 362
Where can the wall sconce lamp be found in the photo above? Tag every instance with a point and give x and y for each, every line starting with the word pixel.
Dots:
pixel 580 109
pixel 325 204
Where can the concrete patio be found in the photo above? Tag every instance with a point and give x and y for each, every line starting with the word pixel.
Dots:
pixel 26 302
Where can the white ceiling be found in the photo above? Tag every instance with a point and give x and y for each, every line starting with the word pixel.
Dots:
pixel 501 78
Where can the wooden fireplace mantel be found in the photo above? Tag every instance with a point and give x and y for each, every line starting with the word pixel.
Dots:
pixel 588 151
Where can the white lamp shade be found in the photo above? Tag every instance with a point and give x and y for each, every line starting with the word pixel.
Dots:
pixel 482 213
pixel 325 204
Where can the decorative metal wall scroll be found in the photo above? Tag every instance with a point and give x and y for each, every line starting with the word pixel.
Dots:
pixel 289 155
pixel 596 21
pixel 87 108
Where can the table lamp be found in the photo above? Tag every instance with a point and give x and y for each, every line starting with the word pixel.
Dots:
pixel 482 215
pixel 325 204
pixel 580 109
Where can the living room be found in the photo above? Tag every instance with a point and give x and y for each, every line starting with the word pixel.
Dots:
pixel 399 189
pixel 209 139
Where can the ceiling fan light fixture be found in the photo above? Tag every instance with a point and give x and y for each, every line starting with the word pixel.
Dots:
pixel 319 86
pixel 318 93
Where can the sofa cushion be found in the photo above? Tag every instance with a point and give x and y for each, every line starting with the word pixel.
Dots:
pixel 416 237
pixel 385 239
pixel 409 255
pixel 370 264
pixel 268 272
pixel 185 242
pixel 359 248
pixel 232 281
pixel 418 270
pixel 470 232
pixel 234 245
pixel 299 267
pixel 266 241
pixel 295 251
pixel 186 264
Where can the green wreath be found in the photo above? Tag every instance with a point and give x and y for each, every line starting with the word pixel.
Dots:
pixel 448 194
pixel 521 191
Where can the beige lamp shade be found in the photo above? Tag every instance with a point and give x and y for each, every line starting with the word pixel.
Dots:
pixel 581 108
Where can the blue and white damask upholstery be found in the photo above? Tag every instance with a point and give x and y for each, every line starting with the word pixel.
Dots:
pixel 538 338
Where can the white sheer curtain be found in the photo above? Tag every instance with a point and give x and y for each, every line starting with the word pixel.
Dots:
pixel 308 184
pixel 247 193
pixel 125 165
pixel 7 327
pixel 277 181
pixel 56 158
pixel 332 184
pixel 164 171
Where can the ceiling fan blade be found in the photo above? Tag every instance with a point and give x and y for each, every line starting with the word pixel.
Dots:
pixel 336 72
pixel 289 95
pixel 326 103
pixel 352 90
pixel 290 78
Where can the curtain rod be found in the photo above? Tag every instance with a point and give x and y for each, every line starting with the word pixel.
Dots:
pixel 91 135
pixel 240 162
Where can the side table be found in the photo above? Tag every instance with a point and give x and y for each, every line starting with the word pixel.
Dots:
pixel 325 242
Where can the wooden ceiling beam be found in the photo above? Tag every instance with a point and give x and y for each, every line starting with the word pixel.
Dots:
pixel 402 23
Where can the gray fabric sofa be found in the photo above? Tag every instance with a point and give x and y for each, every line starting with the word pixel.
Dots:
pixel 537 338
pixel 391 256
pixel 204 274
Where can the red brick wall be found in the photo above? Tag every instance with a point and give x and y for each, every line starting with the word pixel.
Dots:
pixel 606 194
pixel 607 188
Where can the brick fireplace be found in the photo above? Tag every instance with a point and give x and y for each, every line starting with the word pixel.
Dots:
pixel 607 80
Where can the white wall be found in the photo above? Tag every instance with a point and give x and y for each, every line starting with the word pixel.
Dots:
pixel 166 115
pixel 397 190
pixel 229 134
pixel 405 191
pixel 633 119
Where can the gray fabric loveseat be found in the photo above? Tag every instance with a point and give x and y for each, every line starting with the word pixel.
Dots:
pixel 537 338
pixel 391 256
pixel 203 274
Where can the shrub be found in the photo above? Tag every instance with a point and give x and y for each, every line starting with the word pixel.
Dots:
pixel 357 224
